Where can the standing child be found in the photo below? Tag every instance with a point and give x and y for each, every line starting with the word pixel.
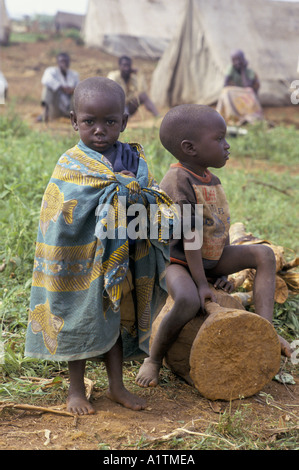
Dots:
pixel 196 136
pixel 79 271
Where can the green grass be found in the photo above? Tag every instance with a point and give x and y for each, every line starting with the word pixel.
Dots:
pixel 44 34
pixel 266 201
pixel 275 145
pixel 27 37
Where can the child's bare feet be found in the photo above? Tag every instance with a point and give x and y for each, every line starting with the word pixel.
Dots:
pixel 127 399
pixel 78 404
pixel 148 375
pixel 285 347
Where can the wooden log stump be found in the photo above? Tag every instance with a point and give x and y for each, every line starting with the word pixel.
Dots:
pixel 229 354
pixel 177 357
pixel 235 354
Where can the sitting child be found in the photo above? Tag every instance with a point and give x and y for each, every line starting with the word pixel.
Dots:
pixel 196 136
pixel 80 273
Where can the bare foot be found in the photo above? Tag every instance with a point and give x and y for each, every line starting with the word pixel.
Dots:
pixel 285 347
pixel 127 399
pixel 78 404
pixel 148 375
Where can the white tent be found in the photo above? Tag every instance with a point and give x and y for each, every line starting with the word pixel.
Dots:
pixel 138 28
pixel 193 66
pixel 4 24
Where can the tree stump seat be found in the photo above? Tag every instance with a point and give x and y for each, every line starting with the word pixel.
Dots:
pixel 229 354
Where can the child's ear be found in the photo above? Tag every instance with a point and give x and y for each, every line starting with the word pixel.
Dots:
pixel 74 120
pixel 124 122
pixel 187 147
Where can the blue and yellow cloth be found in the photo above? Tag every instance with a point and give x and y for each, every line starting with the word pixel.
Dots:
pixel 79 272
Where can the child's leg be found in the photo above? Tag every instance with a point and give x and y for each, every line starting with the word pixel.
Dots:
pixel 186 305
pixel 77 402
pixel 117 391
pixel 259 257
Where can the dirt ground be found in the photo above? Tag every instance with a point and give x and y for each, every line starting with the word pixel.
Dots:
pixel 174 409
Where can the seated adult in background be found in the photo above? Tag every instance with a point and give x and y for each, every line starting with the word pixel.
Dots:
pixel 58 83
pixel 133 85
pixel 238 100
pixel 3 88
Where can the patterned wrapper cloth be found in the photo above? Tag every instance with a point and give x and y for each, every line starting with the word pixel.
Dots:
pixel 79 274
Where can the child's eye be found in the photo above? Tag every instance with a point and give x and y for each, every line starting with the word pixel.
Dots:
pixel 89 122
pixel 110 122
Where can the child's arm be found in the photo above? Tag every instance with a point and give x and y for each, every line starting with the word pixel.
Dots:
pixel 195 264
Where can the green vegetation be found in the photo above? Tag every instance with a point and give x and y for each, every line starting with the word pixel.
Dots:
pixel 275 145
pixel 27 37
pixel 45 30
pixel 261 196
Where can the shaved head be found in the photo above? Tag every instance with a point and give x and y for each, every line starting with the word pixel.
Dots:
pixel 181 123
pixel 90 87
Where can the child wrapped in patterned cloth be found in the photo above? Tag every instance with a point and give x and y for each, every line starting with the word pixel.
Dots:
pixel 83 261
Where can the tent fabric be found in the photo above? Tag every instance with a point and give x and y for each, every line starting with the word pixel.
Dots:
pixel 137 28
pixel 193 67
pixel 4 24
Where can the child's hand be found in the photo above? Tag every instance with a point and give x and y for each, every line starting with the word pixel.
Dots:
pixel 205 293
pixel 223 283
pixel 127 173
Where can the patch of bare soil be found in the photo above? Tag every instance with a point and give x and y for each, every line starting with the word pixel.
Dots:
pixel 174 409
